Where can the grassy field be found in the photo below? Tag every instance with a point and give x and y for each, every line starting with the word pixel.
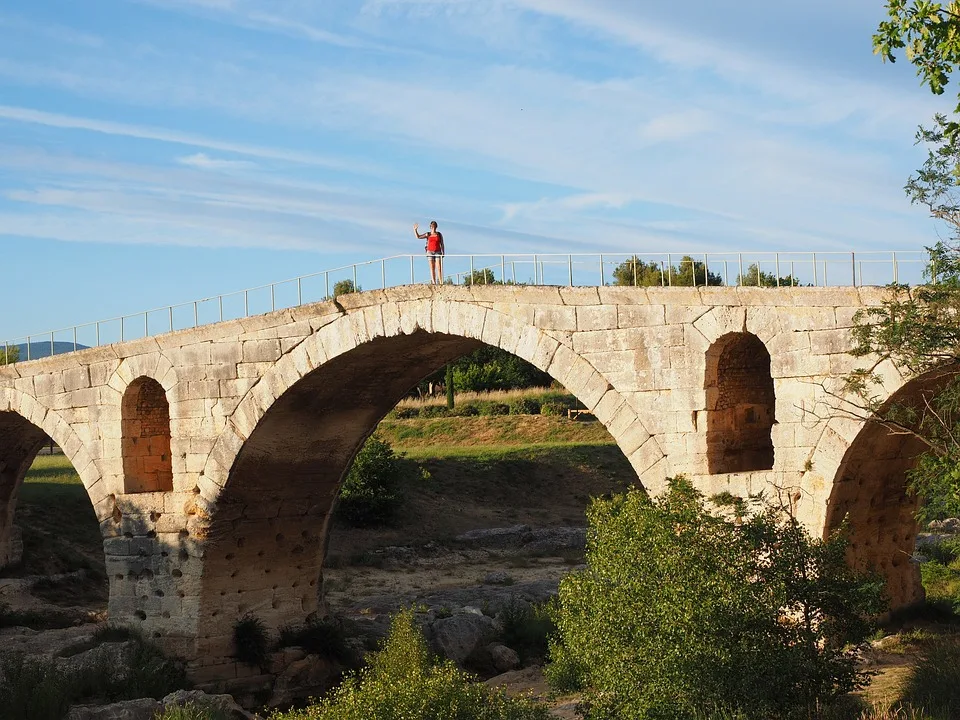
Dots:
pixel 444 437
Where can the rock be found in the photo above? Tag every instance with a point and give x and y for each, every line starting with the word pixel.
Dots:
pixel 460 636
pixel 115 658
pixel 144 709
pixel 498 577
pixel 223 704
pixel 11 554
pixel 310 677
pixel 523 537
pixel 502 658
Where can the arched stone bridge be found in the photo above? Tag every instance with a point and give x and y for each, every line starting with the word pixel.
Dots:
pixel 213 456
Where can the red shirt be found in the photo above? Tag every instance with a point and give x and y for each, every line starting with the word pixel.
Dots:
pixel 434 242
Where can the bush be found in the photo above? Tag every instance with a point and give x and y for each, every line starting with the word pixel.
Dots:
pixel 490 407
pixel 434 411
pixel 465 410
pixel 250 641
pixel 371 494
pixel 683 611
pixel 552 407
pixel 524 406
pixel 403 681
pixel 934 684
pixel 526 629
pixel 406 413
pixel 319 637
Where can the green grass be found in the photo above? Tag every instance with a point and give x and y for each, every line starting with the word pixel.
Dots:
pixel 442 436
pixel 60 529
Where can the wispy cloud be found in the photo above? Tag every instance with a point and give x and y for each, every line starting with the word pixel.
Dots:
pixel 205 162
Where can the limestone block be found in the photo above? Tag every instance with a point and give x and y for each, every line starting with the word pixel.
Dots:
pixel 718 296
pixel 492 327
pixel 623 295
pixel 76 378
pixel 808 318
pixel 636 316
pixel 48 384
pixel 646 456
pixel 259 351
pixel 556 318
pixel 254 370
pixel 720 321
pixel 191 355
pixel 580 295
pixel 619 361
pixel 831 342
pixel 596 317
pixel 799 365
pixel 226 353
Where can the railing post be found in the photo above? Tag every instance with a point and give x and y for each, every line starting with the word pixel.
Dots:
pixel 669 271
pixel 98 334
pixel 6 352
pixel 601 269
pixel 471 271
pixel 853 267
pixel 412 281
pixel 536 280
pixel 634 269
pixel 121 328
pixel 28 347
pixel 74 338
pixel 326 283
pixel 383 275
pixel 740 276
pixel 726 274
pixel 793 275
pixel 170 310
pixel 815 283
pixel 146 324
pixel 51 345
pixel 706 272
pixel 354 278
pixel 273 296
pixel 570 269
pixel 826 283
pixel 503 271
pixel 896 274
pixel 196 314
pixel 776 257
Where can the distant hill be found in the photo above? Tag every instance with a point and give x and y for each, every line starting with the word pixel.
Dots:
pixel 41 349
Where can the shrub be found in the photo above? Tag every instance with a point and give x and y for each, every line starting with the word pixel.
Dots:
pixel 250 640
pixel 684 611
pixel 406 413
pixel 526 629
pixel 934 684
pixel 493 408
pixel 403 681
pixel 370 494
pixel 33 689
pixel 319 637
pixel 552 407
pixel 466 410
pixel 524 406
pixel 434 411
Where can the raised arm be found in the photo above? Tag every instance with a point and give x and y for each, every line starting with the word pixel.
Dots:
pixel 416 231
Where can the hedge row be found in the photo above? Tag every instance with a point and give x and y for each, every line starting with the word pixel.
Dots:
pixel 524 405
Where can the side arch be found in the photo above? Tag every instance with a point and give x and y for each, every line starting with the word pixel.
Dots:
pixel 25 424
pixel 271 481
pixel 869 491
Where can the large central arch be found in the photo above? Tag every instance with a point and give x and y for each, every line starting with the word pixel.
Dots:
pixel 286 457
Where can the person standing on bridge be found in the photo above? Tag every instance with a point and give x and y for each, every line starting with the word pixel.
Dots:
pixel 434 249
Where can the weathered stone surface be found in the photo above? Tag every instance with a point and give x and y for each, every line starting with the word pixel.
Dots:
pixel 460 636
pixel 241 468
pixel 144 709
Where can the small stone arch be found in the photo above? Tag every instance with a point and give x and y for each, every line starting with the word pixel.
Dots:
pixel 741 405
pixel 145 437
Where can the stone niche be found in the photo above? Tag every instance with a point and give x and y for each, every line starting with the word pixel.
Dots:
pixel 147 465
pixel 740 405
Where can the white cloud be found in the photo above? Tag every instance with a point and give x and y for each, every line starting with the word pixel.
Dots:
pixel 205 162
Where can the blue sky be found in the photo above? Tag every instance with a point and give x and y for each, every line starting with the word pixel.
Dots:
pixel 152 151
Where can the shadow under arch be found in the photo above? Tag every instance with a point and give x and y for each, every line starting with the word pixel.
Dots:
pixel 870 493
pixel 25 426
pixel 268 527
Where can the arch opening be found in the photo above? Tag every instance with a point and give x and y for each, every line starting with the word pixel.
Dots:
pixel 48 526
pixel 145 427
pixel 270 527
pixel 741 405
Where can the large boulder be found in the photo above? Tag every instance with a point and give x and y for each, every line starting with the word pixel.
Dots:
pixel 115 658
pixel 144 709
pixel 223 704
pixel 459 636
pixel 310 676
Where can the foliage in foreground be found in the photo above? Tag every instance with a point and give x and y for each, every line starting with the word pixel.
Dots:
pixel 190 711
pixel 370 494
pixel 403 682
pixel 684 612
pixel 934 684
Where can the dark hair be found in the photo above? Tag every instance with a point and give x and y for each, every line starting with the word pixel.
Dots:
pixel 433 223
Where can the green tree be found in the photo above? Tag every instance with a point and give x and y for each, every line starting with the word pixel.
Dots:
pixel 756 277
pixel 345 287
pixel 687 273
pixel 683 612
pixel 481 277
pixel 929 34
pixel 9 354
pixel 371 492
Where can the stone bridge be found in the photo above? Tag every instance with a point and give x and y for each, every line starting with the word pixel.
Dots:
pixel 213 456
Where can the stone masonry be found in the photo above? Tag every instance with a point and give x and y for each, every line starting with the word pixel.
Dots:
pixel 212 456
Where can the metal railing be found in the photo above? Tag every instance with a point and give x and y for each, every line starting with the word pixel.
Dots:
pixel 768 269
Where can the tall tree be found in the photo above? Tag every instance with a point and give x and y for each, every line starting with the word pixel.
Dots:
pixel 9 354
pixel 687 273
